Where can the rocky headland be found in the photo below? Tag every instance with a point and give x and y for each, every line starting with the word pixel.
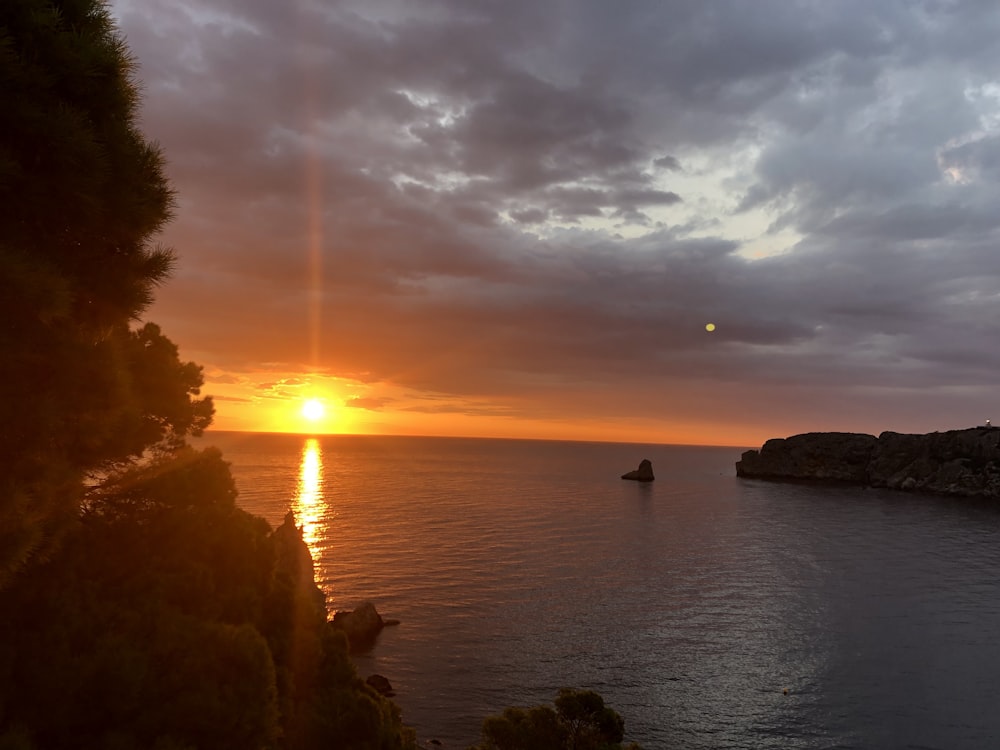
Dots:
pixel 964 463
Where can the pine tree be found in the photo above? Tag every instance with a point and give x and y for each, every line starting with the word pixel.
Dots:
pixel 82 194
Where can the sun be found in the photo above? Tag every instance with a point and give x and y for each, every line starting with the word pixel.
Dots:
pixel 313 410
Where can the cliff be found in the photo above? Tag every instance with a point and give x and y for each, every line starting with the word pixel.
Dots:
pixel 957 462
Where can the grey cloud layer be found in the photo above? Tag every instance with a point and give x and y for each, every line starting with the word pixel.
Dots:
pixel 426 145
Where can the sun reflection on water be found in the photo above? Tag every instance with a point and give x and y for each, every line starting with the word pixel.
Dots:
pixel 309 496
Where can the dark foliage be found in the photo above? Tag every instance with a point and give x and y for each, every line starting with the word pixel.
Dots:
pixel 81 195
pixel 81 190
pixel 579 721
pixel 171 618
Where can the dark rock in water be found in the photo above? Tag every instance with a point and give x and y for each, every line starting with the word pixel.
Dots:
pixel 957 462
pixel 361 626
pixel 381 685
pixel 643 474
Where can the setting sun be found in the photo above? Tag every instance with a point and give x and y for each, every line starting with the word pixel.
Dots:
pixel 313 410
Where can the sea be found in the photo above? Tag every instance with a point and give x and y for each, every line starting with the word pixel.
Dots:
pixel 709 611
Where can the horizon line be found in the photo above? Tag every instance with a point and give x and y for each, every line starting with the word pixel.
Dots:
pixel 207 433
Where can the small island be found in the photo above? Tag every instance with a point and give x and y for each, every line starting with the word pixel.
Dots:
pixel 963 463
pixel 643 474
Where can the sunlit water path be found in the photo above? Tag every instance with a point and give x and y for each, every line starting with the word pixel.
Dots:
pixel 691 603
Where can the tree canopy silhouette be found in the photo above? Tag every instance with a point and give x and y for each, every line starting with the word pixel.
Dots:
pixel 579 721
pixel 82 193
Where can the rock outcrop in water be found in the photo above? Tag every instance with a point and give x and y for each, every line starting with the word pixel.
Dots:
pixel 361 626
pixel 958 462
pixel 643 474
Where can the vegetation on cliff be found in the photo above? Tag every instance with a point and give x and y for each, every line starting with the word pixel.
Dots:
pixel 170 618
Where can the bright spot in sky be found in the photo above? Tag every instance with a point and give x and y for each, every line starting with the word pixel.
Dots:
pixel 710 327
pixel 313 409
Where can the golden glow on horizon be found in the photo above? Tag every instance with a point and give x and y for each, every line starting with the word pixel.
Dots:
pixel 285 416
pixel 272 401
pixel 313 410
pixel 292 413
pixel 309 505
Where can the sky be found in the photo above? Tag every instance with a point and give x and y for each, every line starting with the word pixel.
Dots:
pixel 520 218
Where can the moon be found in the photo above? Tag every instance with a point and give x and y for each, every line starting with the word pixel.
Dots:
pixel 313 410
pixel 710 327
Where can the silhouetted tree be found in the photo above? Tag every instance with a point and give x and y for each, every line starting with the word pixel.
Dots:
pixel 579 721
pixel 82 193
pixel 81 190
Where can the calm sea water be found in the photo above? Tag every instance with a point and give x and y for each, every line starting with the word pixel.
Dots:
pixel 691 604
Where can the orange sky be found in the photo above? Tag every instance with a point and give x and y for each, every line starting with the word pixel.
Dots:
pixel 245 406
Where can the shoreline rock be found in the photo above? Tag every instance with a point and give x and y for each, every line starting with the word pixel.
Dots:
pixel 361 626
pixel 964 463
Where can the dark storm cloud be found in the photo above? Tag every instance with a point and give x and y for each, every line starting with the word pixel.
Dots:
pixel 491 189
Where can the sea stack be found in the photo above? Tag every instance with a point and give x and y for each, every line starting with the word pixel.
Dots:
pixel 643 474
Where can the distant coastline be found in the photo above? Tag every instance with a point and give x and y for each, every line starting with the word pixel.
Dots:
pixel 964 463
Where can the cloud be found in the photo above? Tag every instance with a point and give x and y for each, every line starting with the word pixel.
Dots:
pixel 667 162
pixel 536 211
pixel 371 404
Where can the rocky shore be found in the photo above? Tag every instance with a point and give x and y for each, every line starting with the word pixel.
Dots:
pixel 964 463
pixel 361 626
